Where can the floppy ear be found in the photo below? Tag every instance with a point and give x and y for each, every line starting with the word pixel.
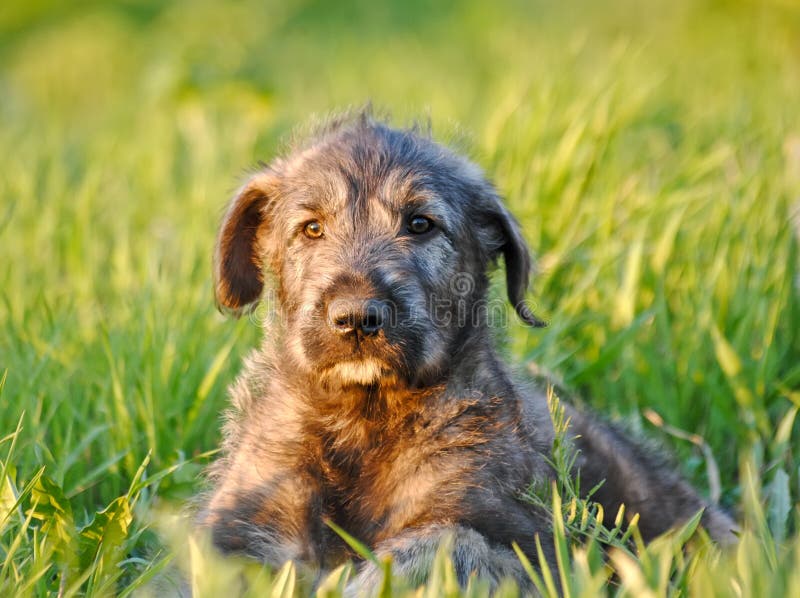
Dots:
pixel 517 258
pixel 238 277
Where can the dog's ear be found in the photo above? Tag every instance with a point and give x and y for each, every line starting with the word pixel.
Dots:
pixel 238 256
pixel 509 241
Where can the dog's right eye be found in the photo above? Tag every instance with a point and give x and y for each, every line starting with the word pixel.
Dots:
pixel 420 225
pixel 313 230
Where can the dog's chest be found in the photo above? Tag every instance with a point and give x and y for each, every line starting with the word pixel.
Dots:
pixel 380 476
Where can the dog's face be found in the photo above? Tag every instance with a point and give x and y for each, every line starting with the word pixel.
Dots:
pixel 379 240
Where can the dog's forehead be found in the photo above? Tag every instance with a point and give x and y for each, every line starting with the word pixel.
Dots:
pixel 393 170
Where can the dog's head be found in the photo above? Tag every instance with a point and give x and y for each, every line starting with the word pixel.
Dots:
pixel 379 240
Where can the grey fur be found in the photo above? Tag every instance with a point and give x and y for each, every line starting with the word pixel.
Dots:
pixel 417 432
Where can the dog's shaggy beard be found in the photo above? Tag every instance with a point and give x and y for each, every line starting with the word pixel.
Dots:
pixel 410 353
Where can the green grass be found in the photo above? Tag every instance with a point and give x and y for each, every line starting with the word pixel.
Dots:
pixel 650 149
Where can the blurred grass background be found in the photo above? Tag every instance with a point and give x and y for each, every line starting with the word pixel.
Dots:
pixel 651 151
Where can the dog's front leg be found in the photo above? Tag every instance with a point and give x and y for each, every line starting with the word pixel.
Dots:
pixel 273 522
pixel 412 553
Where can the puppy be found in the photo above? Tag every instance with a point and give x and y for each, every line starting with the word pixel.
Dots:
pixel 377 400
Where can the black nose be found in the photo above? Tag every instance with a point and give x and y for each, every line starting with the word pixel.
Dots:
pixel 367 316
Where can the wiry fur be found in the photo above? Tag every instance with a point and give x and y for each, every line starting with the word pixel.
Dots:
pixel 418 432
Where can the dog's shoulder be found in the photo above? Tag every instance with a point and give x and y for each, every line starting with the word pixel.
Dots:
pixel 264 402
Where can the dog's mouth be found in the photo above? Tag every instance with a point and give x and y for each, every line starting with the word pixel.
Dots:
pixel 357 360
pixel 359 371
pixel 362 360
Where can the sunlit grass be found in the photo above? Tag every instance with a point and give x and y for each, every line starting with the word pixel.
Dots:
pixel 650 150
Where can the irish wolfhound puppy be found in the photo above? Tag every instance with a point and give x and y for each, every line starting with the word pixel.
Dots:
pixel 377 399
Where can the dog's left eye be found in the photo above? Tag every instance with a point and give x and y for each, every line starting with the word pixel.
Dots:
pixel 313 230
pixel 419 225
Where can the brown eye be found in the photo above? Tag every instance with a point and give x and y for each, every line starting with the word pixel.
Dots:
pixel 313 230
pixel 419 225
